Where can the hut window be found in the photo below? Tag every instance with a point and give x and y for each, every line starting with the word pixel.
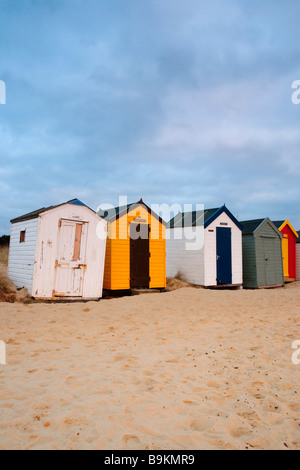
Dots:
pixel 22 236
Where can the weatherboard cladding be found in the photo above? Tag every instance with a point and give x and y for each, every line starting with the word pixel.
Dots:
pixel 290 237
pixel 119 270
pixel 49 232
pixel 262 254
pixel 199 266
pixel 22 255
pixel 298 258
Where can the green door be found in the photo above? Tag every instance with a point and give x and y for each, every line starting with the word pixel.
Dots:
pixel 270 261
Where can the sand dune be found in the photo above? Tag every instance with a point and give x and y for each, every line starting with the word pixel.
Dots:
pixel 189 369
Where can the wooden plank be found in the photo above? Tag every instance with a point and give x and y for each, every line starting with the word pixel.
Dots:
pixel 77 243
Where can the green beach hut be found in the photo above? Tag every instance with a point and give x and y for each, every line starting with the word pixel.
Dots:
pixel 262 254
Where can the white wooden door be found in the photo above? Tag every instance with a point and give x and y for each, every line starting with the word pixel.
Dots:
pixel 70 265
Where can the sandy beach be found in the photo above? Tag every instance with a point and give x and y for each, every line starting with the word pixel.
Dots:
pixel 188 369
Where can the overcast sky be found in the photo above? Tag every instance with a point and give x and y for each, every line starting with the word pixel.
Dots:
pixel 184 101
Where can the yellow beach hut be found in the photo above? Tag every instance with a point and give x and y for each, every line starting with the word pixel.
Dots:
pixel 136 248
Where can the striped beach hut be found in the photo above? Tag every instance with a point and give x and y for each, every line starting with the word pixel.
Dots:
pixel 136 248
pixel 262 254
pixel 289 239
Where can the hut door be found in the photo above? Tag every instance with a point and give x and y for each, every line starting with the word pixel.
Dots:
pixel 224 256
pixel 70 264
pixel 139 255
pixel 270 261
pixel 285 255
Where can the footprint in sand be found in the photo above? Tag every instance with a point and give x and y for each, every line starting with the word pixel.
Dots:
pixel 237 431
pixel 201 424
pixel 295 407
pixel 130 441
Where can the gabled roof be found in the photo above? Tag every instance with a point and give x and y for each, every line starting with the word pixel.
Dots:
pixel 278 223
pixel 283 223
pixel 110 215
pixel 35 214
pixel 251 226
pixel 198 218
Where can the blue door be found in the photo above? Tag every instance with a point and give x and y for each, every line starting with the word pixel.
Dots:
pixel 224 259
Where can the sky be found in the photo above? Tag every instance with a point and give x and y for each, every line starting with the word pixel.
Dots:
pixel 174 101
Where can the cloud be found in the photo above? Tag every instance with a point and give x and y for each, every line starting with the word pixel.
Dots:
pixel 172 102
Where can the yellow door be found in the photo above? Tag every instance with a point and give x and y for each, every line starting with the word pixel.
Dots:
pixel 285 255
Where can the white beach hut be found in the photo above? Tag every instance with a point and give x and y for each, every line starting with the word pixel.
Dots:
pixel 58 252
pixel 214 258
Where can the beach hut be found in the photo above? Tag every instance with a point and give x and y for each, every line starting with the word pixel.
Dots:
pixel 298 257
pixel 262 254
pixel 205 247
pixel 58 252
pixel 136 248
pixel 289 239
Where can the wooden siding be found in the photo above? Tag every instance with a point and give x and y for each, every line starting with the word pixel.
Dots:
pixel 199 266
pixel 289 252
pixel 22 255
pixel 249 262
pixel 274 276
pixel 190 263
pixel 45 276
pixel 264 244
pixel 298 261
pixel 117 262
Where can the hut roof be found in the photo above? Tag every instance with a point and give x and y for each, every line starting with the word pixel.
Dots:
pixel 110 215
pixel 35 214
pixel 281 224
pixel 250 226
pixel 198 218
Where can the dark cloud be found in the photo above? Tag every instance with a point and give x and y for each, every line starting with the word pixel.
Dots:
pixel 176 102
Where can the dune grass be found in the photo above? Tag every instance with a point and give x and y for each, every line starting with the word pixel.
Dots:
pixel 4 255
